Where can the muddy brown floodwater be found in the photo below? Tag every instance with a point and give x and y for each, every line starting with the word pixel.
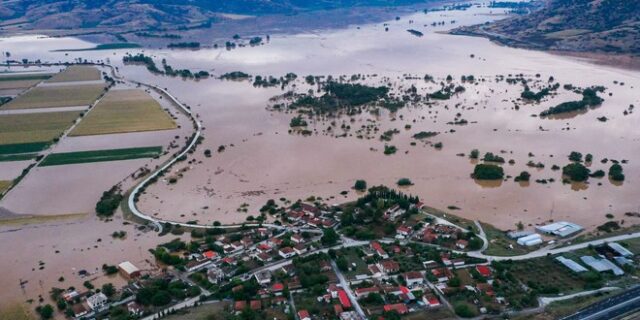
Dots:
pixel 262 160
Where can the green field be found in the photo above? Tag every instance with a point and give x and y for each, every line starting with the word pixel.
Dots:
pixel 122 111
pixel 77 73
pixel 17 157
pixel 57 96
pixel 24 133
pixel 57 159
pixel 19 77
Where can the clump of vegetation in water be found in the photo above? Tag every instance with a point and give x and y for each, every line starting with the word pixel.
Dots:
pixel 168 70
pixel 524 176
pixel 590 98
pixel 297 122
pixel 527 94
pixel 576 172
pixel 403 182
pixel 235 75
pixel 490 157
pixel 360 185
pixel 388 150
pixel 487 172
pixel 615 172
pixel 109 202
pixel 424 135
pixel 184 45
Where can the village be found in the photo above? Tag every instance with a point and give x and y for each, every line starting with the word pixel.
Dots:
pixel 426 267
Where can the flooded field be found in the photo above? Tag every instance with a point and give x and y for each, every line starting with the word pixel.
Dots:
pixel 262 160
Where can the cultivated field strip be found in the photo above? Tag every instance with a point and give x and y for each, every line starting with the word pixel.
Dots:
pixel 77 73
pixel 121 111
pixel 53 97
pixel 56 159
pixel 20 132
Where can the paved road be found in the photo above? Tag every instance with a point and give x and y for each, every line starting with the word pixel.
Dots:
pixel 610 308
pixel 347 288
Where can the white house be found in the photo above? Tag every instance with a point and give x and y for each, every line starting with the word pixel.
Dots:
pixel 97 301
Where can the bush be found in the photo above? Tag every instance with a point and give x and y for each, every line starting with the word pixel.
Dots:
pixel 405 182
pixel 360 185
pixel 524 176
pixel 464 310
pixel 488 172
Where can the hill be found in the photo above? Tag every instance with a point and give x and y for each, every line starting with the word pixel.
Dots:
pixel 594 26
pixel 154 15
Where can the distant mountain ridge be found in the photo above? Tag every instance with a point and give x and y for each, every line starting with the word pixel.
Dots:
pixel 142 14
pixel 603 26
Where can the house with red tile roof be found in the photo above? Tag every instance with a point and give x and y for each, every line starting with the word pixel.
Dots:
pixel 413 278
pixel 404 231
pixel 304 315
pixel 240 305
pixel 400 308
pixel 286 252
pixel 388 266
pixel 377 247
pixel 297 238
pixel 364 292
pixel 462 244
pixel 344 299
pixel 210 254
pixel 431 300
pixel 484 271
pixel 256 305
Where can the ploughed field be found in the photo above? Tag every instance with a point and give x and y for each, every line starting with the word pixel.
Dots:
pixel 124 111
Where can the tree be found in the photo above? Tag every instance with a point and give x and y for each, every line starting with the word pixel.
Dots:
pixel 464 310
pixel 360 185
pixel 575 156
pixel 108 289
pixel 342 264
pixel 615 172
pixel 488 172
pixel 524 176
pixel 405 182
pixel 576 172
pixel 329 237
pixel 45 312
pixel 161 298
pixel 474 154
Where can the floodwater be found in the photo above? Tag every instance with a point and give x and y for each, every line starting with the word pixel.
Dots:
pixel 263 161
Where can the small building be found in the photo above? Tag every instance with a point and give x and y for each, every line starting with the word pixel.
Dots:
pixel 215 275
pixel 128 270
pixel 399 308
pixel 135 309
pixel 97 301
pixel 462 244
pixel 388 266
pixel 620 250
pixel 210 254
pixel 514 235
pixel 404 231
pixel 297 238
pixel 377 247
pixel 344 299
pixel 530 240
pixel 286 252
pixel 263 277
pixel 240 305
pixel 364 292
pixel 483 270
pixel 300 248
pixel 560 228
pixel 304 315
pixel 601 265
pixel 572 265
pixel 413 278
pixel 431 300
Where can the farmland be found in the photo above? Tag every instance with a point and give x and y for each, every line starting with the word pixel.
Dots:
pixel 124 111
pixel 77 73
pixel 21 81
pixel 100 156
pixel 51 97
pixel 22 133
pixel 17 157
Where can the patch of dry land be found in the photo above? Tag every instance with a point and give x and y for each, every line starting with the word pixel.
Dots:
pixel 58 96
pixel 34 127
pixel 77 73
pixel 22 81
pixel 128 110
pixel 4 185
